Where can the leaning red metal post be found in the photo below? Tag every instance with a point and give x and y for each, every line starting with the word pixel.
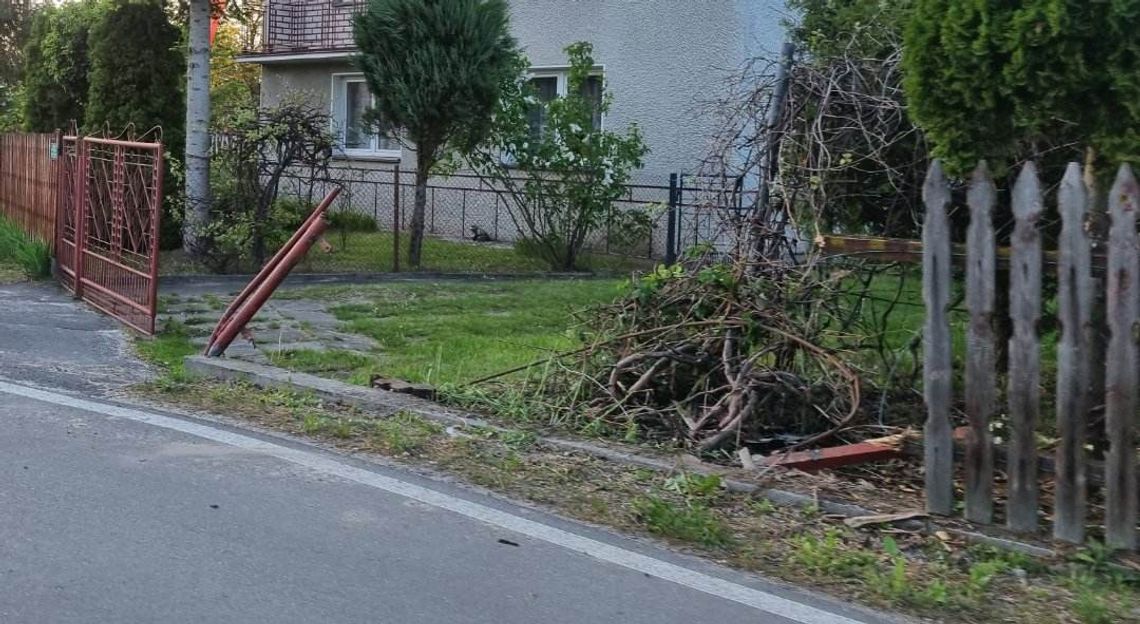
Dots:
pixel 273 262
pixel 271 276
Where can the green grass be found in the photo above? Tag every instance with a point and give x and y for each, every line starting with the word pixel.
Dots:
pixel 691 522
pixel 22 255
pixel 167 351
pixel 371 252
pixel 901 323
pixel 453 332
pixel 317 362
pixel 10 272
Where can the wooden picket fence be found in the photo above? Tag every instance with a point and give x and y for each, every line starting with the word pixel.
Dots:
pixel 29 182
pixel 1023 393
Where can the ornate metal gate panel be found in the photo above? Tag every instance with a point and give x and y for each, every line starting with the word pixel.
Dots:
pixel 108 225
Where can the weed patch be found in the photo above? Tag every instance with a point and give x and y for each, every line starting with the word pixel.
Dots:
pixel 22 252
pixel 689 522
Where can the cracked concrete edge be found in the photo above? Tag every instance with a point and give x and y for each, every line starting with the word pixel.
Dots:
pixel 387 403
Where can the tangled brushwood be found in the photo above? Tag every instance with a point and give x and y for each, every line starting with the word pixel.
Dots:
pixel 717 356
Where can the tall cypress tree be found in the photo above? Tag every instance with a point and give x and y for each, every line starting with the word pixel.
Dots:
pixel 137 72
pixel 435 68
pixel 56 66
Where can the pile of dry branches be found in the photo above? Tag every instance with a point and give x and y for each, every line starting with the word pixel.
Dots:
pixel 718 355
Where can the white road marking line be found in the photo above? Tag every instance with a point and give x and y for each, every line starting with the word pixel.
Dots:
pixel 763 601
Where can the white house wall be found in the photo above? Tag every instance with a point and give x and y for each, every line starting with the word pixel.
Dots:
pixel 661 58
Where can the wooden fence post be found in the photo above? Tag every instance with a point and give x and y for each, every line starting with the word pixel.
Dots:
pixel 1074 299
pixel 1120 361
pixel 937 374
pixel 980 347
pixel 1024 353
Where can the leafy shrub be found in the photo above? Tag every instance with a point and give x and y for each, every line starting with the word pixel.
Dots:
pixel 1006 81
pixel 249 220
pixel 56 65
pixel 566 172
pixel 348 221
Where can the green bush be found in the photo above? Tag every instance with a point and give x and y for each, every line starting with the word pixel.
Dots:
pixel 345 221
pixel 56 66
pixel 1007 81
pixel 250 218
pixel 29 253
pixel 289 213
pixel 568 172
pixel 138 71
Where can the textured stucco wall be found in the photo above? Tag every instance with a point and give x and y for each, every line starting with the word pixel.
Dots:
pixel 312 80
pixel 662 58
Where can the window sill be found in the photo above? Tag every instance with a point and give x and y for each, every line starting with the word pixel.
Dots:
pixel 377 156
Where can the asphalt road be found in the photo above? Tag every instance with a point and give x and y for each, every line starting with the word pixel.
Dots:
pixel 119 514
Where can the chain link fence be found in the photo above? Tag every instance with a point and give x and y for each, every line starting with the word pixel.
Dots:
pixel 469 225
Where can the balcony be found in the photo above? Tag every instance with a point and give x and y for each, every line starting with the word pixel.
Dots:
pixel 322 28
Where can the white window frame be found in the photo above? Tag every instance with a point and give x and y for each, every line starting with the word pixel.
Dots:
pixel 562 74
pixel 338 104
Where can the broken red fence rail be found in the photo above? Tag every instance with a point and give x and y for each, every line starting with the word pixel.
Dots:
pixel 261 288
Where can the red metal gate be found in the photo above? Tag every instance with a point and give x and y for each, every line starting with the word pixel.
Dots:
pixel 110 202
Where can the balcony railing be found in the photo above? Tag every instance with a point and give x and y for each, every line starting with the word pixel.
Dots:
pixel 299 26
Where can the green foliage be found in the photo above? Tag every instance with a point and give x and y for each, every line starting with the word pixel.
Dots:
pixel 167 351
pixel 15 27
pixel 694 485
pixel 690 522
pixel 234 86
pixel 564 177
pixel 56 66
pixel 347 221
pixel 853 161
pixel 867 28
pixel 137 77
pixel 436 68
pixel 249 219
pixel 404 432
pixel 11 107
pixel 138 71
pixel 830 555
pixel 30 254
pixel 1007 81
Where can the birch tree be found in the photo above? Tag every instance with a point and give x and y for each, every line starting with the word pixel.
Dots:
pixel 197 128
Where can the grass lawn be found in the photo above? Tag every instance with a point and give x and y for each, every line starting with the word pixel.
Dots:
pixel 10 272
pixel 454 332
pixel 371 252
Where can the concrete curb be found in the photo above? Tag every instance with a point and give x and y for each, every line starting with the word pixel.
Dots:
pixel 386 403
pixel 176 282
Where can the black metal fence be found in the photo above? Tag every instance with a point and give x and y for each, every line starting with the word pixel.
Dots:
pixel 682 210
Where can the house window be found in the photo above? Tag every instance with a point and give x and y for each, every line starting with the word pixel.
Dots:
pixel 351 100
pixel 551 84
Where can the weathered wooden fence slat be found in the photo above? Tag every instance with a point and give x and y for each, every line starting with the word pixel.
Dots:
pixel 1074 309
pixel 980 347
pixel 1024 392
pixel 937 379
pixel 28 182
pixel 1120 362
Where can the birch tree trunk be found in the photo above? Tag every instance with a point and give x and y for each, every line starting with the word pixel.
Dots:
pixel 197 129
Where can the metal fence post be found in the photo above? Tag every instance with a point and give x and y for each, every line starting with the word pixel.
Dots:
pixel 671 220
pixel 396 220
pixel 81 165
